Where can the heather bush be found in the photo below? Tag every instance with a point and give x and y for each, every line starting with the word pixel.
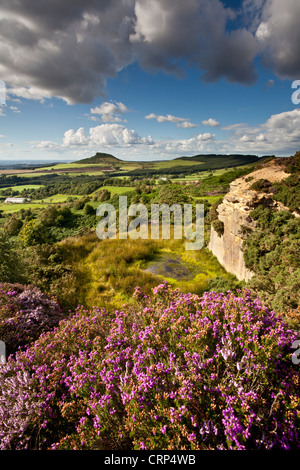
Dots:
pixel 19 407
pixel 172 371
pixel 25 312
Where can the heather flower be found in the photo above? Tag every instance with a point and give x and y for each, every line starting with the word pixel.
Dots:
pixel 25 313
pixel 173 371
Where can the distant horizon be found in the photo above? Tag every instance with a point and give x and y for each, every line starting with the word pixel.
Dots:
pixel 52 161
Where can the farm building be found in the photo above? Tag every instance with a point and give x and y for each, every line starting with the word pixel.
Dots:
pixel 17 200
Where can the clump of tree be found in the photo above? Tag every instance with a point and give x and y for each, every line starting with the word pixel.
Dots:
pixel 172 194
pixel 13 264
pixel 261 185
pixel 288 192
pixel 102 195
pixel 212 218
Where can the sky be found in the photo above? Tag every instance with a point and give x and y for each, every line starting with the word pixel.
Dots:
pixel 148 79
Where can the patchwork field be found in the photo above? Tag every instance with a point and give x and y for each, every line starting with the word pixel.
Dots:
pixel 9 208
pixel 24 186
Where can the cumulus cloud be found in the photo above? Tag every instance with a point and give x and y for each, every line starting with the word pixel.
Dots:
pixel 284 127
pixel 110 111
pixel 187 125
pixel 211 122
pixel 45 144
pixel 280 133
pixel 72 137
pixel 64 49
pixel 116 135
pixel 180 122
pixel 278 35
pixel 162 40
pixel 104 135
pixel 201 142
pixel 70 49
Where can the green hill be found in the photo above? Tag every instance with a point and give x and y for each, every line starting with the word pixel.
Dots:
pixel 99 158
pixel 233 159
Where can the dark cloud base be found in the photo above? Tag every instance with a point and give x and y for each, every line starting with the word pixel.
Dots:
pixel 70 49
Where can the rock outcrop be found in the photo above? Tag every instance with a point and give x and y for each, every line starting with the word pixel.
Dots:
pixel 234 213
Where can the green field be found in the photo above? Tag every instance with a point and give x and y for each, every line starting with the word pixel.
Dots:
pixel 116 189
pixel 9 208
pixel 64 166
pixel 203 174
pixel 30 175
pixel 24 186
pixel 57 198
pixel 175 163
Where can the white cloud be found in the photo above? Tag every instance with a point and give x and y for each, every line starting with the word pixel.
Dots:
pixel 232 127
pixel 284 127
pixel 115 135
pixel 110 111
pixel 72 138
pixel 30 93
pixel 279 134
pixel 180 122
pixel 201 142
pixel 187 125
pixel 261 138
pixel 45 144
pixel 14 109
pixel 104 135
pixel 167 118
pixel 205 137
pixel 211 122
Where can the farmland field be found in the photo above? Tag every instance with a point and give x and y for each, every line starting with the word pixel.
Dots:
pixel 9 208
pixel 24 186
pixel 58 198
pixel 117 189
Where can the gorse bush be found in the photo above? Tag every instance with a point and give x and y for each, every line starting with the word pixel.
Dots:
pixel 172 371
pixel 272 252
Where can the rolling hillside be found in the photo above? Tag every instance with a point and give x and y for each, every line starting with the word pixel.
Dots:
pixel 103 163
pixel 99 158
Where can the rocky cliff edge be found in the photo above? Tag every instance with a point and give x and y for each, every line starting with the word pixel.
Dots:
pixel 234 213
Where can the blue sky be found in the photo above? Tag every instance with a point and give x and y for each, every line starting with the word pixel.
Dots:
pixel 149 80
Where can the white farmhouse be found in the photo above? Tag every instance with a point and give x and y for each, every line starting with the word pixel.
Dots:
pixel 16 200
